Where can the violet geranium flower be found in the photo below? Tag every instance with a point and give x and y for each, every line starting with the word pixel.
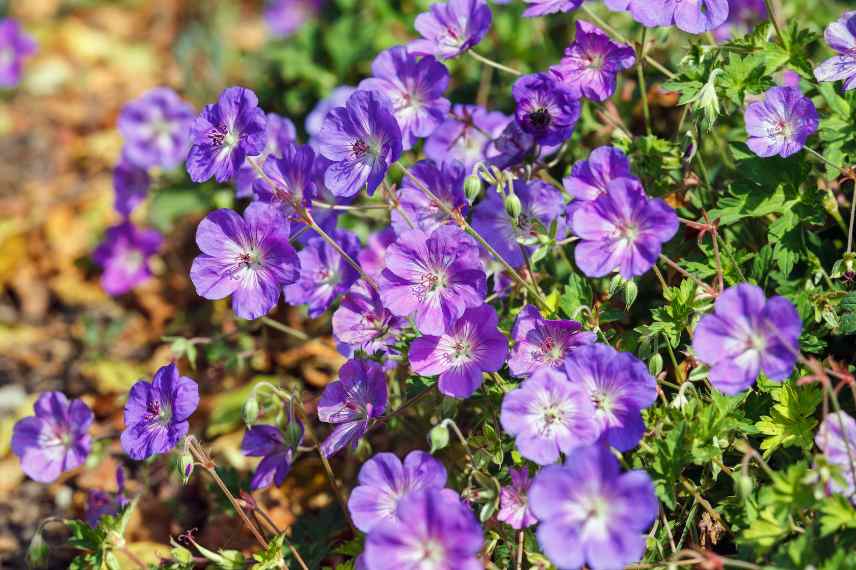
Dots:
pixel 781 123
pixel 124 256
pixel 590 178
pixel 279 133
pixel 466 135
pixel 543 343
pixel 691 16
pixel 470 347
pixel 434 277
pixel 543 7
pixel 591 63
pixel 514 508
pixel 15 46
pixel 130 186
pixel 742 16
pixel 592 514
pixel 836 438
pixel 418 211
pixel 338 97
pixel 351 402
pixel 361 321
pixel 361 139
pixel 249 258
pixel 372 258
pixel 55 440
pixel 546 109
pixel 384 481
pixel 100 503
pixel 451 28
pixel 156 413
pixel 548 415
pixel 276 450
pixel 841 36
pixel 745 334
pixel 156 129
pixel 292 177
pixel 622 230
pixel 225 134
pixel 324 274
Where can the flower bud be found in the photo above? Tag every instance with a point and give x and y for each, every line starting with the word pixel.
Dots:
pixel 250 411
pixel 439 437
pixel 513 206
pixel 185 466
pixel 472 187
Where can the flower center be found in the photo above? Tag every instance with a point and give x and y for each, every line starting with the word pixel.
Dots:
pixel 430 283
pixel 629 232
pixel 540 118
pixel 359 148
pixel 596 61
pixel 251 258
pixel 601 401
pixel 223 137
pixel 782 128
pixel 461 351
pixel 551 351
pixel 433 555
pixel 157 413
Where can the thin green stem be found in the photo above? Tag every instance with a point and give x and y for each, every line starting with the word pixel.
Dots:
pixel 707 288
pixel 774 19
pixel 852 218
pixel 824 159
pixel 494 64
pixel 640 73
pixel 284 328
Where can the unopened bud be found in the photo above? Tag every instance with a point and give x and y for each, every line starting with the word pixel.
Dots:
pixel 185 467
pixel 513 206
pixel 250 411
pixel 472 187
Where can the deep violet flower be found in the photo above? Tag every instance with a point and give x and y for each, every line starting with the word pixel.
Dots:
pixel 546 109
pixel 465 136
pixel 247 257
pixel 362 321
pixel 434 277
pixel 417 210
pixel 338 97
pixel 351 402
pixel 514 508
pixel 591 63
pixel 361 139
pixel 414 86
pixel 748 333
pixel 592 514
pixel 290 180
pixel 470 347
pixel 124 256
pixel 543 7
pixel 277 450
pixel 54 440
pixel 384 481
pixel 156 413
pixel 841 37
pixel 622 230
pixel 372 258
pixel 836 438
pixel 100 503
pixel 156 129
pixel 543 343
pixel 285 17
pixel 511 147
pixel 590 178
pixel 781 123
pixel 279 132
pixel 619 386
pixel 225 134
pixel 742 16
pixel 130 186
pixel 324 274
pixel 548 415
pixel 450 29
pixel 691 16
pixel 15 47
pixel 434 530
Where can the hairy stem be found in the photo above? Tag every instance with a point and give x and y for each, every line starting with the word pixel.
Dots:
pixel 494 64
pixel 640 73
pixel 300 335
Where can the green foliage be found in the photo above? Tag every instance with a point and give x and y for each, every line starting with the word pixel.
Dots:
pixel 791 421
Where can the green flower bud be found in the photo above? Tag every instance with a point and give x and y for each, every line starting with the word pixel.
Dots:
pixel 184 466
pixel 513 206
pixel 472 187
pixel 439 437
pixel 250 411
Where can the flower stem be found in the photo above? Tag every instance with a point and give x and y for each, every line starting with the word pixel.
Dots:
pixel 707 288
pixel 640 73
pixel 520 537
pixel 494 64
pixel 284 328
pixel 771 12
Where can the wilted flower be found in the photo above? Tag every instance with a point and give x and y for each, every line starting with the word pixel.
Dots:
pixel 546 109
pixel 445 182
pixel 276 450
pixel 15 47
pixel 450 29
pixel 514 507
pixel 543 343
pixel 465 136
pixel 156 129
pixel 362 321
pixel 781 123
pixel 124 256
pixel 841 36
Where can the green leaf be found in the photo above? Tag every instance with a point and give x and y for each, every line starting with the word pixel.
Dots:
pixel 836 514
pixel 791 422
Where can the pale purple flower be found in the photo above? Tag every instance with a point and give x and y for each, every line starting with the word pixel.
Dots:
pixel 338 97
pixel 15 47
pixel 841 37
pixel 748 333
pixel 619 387
pixel 324 274
pixel 548 415
pixel 246 257
pixel 225 134
pixel 290 181
pixel 361 139
pixel 100 503
pixel 279 133
pixel 592 514
pixel 433 277
pixel 362 321
pixel 285 17
pixel 417 210
pixel 514 508
pixel 590 178
pixel 622 230
pixel 414 87
pixel 692 16
pixel 130 186
pixel 156 129
pixel 452 28
pixel 543 343
pixel 471 346
pixel 277 450
pixel 351 402
pixel 124 256
pixel 384 481
pixel 546 109
pixel 543 7
pixel 466 136
pixel 742 16
pixel 372 258
pixel 592 62
pixel 836 438
pixel 55 440
pixel 781 123
pixel 156 413
pixel 434 530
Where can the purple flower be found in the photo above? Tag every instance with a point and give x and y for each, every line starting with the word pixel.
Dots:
pixel 15 46
pixel 130 185
pixel 543 343
pixel 619 386
pixel 512 147
pixel 544 7
pixel 156 129
pixel 514 507
pixel 284 17
pixel 55 440
pixel 279 132
pixel 742 15
pixel 293 178
pixel 692 16
pixel 434 530
pixel 450 29
pixel 249 258
pixel 592 514
pixel 418 211
pixel 338 97
pixel 384 482
pixel 324 274
pixel 100 503
pixel 841 36
pixel 470 347
pixel 414 86
pixel 224 134
pixel 362 321
pixel 590 178
pixel 434 277
pixel 276 450
pixel 156 413
pixel 361 139
pixel 124 256
pixel 351 402
pixel 548 415
pixel 745 334
pixel 546 109
pixel 590 64
pixel 837 439
pixel 622 230
pixel 465 136
pixel 781 123
pixel 372 258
